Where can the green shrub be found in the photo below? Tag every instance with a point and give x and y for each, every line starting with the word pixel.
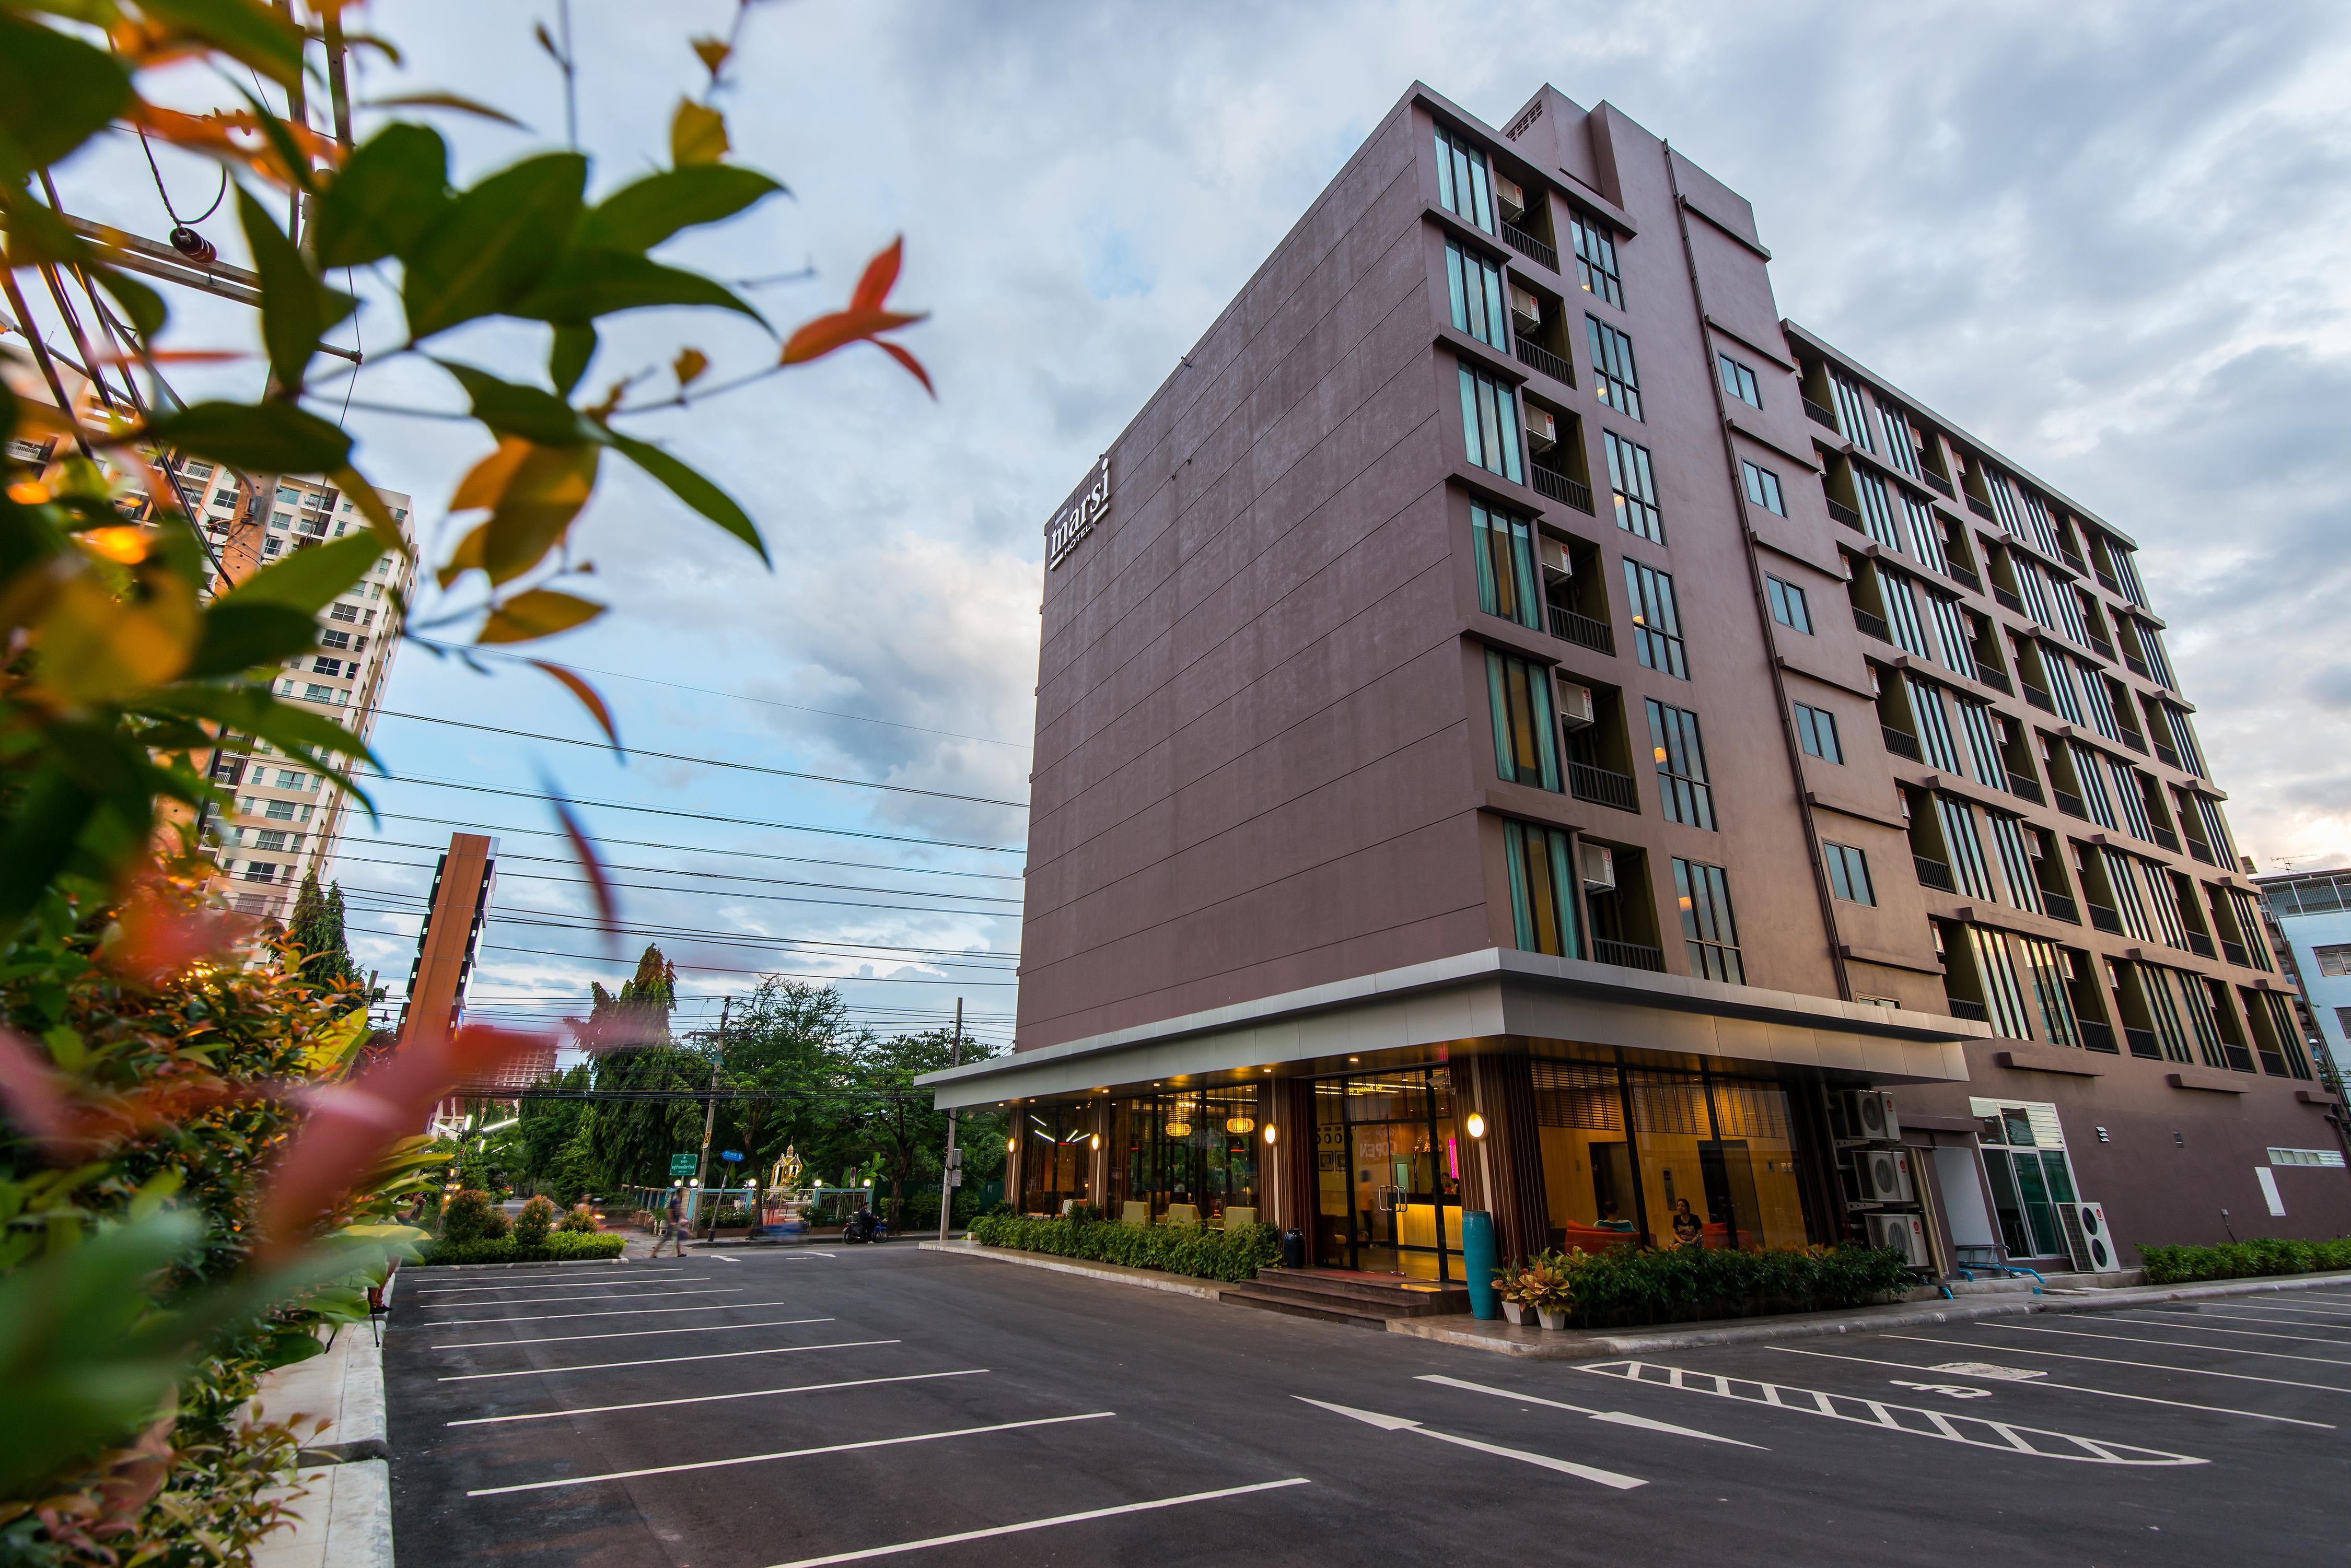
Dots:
pixel 2243 1260
pixel 1623 1287
pixel 531 1224
pixel 579 1221
pixel 732 1216
pixel 471 1216
pixel 1194 1249
pixel 559 1247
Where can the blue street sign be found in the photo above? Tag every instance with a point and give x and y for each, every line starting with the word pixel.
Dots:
pixel 731 1155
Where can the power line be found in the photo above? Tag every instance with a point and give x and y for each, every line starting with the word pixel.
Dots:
pixel 752 940
pixel 687 848
pixel 702 761
pixel 723 969
pixel 719 892
pixel 672 871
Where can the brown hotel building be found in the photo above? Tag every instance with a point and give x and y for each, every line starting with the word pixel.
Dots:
pixel 1507 671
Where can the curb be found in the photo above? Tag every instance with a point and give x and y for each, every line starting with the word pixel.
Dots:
pixel 1117 1274
pixel 550 1263
pixel 344 1518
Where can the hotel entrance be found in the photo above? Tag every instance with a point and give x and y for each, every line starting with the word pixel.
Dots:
pixel 1387 1172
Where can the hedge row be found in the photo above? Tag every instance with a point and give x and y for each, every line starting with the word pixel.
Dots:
pixel 2243 1260
pixel 561 1247
pixel 1231 1255
pixel 1623 1287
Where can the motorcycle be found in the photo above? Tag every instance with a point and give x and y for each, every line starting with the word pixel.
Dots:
pixel 865 1226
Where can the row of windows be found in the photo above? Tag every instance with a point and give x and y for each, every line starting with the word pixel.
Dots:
pixel 1545 906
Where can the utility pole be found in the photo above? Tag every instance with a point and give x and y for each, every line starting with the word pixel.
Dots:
pixel 709 1119
pixel 951 1176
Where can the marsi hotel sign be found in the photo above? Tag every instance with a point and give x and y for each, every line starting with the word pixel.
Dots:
pixel 1086 506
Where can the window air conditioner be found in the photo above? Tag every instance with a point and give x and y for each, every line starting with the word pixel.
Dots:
pixel 1884 1174
pixel 1599 867
pixel 1904 1233
pixel 1526 308
pixel 1575 705
pixel 2087 1237
pixel 1556 562
pixel 1513 199
pixel 1542 429
pixel 1869 1115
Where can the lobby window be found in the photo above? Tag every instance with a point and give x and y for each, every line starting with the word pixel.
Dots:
pixel 1739 380
pixel 1849 873
pixel 1636 487
pixel 1617 381
pixel 1474 285
pixel 1507 585
pixel 1816 732
pixel 1763 488
pixel 1708 931
pixel 1542 899
pixel 1657 624
pixel 1682 788
pixel 1788 605
pixel 1596 259
pixel 1490 424
pixel 1526 744
pixel 1463 186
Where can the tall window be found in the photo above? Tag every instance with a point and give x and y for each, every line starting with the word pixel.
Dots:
pixel 1876 509
pixel 1788 605
pixel 1952 634
pixel 1816 732
pixel 1635 486
pixel 1479 302
pixel 1596 259
pixel 1708 930
pixel 1490 424
pixel 1849 873
pixel 1542 890
pixel 1462 186
pixel 1619 383
pixel 1739 380
pixel 1526 744
pixel 1763 488
pixel 1852 420
pixel 1657 624
pixel 1682 787
pixel 1506 583
pixel 1899 449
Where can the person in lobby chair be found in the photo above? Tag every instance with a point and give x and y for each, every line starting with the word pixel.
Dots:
pixel 1608 1221
pixel 1687 1229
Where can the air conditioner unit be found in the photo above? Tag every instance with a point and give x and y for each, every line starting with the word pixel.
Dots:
pixel 1556 562
pixel 1513 199
pixel 2087 1237
pixel 1869 1115
pixel 1542 429
pixel 1884 1175
pixel 1599 867
pixel 1904 1233
pixel 1526 307
pixel 1575 705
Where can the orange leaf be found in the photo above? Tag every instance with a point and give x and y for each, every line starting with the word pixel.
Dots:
pixel 880 275
pixel 489 478
pixel 814 339
pixel 697 134
pixel 588 695
pixel 606 905
pixel 914 366
pixel 540 612
pixel 712 53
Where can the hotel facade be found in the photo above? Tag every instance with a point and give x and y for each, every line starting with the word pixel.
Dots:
pixel 1521 727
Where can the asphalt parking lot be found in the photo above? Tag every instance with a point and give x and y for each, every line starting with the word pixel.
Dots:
pixel 882 1404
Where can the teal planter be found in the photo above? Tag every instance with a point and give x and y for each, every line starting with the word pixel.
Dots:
pixel 1478 1262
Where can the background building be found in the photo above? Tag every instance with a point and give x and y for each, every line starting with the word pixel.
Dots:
pixel 2310 924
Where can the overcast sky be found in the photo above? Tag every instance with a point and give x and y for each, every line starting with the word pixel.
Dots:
pixel 2108 240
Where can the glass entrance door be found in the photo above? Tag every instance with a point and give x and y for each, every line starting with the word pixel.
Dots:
pixel 1389 1175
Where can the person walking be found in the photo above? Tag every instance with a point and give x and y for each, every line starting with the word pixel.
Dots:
pixel 676 1234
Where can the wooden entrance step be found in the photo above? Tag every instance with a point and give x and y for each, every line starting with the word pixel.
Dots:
pixel 1368 1300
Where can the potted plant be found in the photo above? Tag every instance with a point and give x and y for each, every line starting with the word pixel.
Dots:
pixel 1549 1289
pixel 1510 1286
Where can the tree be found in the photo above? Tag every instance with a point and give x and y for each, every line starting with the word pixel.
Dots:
pixel 317 929
pixel 897 1120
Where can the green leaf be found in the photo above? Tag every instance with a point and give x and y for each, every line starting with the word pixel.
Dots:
pixel 246 30
pixel 639 216
pixel 296 308
pixel 242 636
pixel 44 826
pixel 509 408
pixel 252 710
pixel 260 438
pixel 56 92
pixel 140 303
pixel 541 613
pixel 568 357
pixel 308 580
pixel 587 284
pixel 494 244
pixel 389 194
pixel 690 486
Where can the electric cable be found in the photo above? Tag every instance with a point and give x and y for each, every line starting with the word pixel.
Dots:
pixel 668 871
pixel 685 849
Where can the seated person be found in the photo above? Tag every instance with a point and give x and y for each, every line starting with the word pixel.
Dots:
pixel 1687 1231
pixel 1608 1221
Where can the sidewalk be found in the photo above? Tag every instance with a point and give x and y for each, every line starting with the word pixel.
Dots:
pixel 344 1517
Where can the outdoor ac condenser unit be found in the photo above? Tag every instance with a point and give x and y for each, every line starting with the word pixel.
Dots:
pixel 2087 1236
pixel 1526 307
pixel 1870 1115
pixel 1556 562
pixel 1513 199
pixel 1599 867
pixel 1574 706
pixel 1905 1233
pixel 1542 429
pixel 1884 1175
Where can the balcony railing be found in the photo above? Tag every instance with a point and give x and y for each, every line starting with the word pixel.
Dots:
pixel 2201 946
pixel 2070 803
pixel 2106 580
pixel 1975 1011
pixel 2165 755
pixel 1601 787
pixel 1941 484
pixel 1901 743
pixel 1845 515
pixel 2096 1036
pixel 1934 874
pixel 2039 698
pixel 1560 488
pixel 1573 626
pixel 1820 415
pixel 2060 907
pixel 2025 789
pixel 1872 625
pixel 2102 648
pixel 1546 361
pixel 2135 740
pixel 2007 598
pixel 1526 244
pixel 1966 577
pixel 2081 567
pixel 1629 955
pixel 2165 837
pixel 2235 953
pixel 2202 852
pixel 2136 665
pixel 1983 509
pixel 1996 679
pixel 2106 920
pixel 2143 1042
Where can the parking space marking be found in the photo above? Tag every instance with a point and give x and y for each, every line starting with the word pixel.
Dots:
pixel 2118 1361
pixel 1399 1424
pixel 1615 1417
pixel 1975 1431
pixel 2196 1325
pixel 2040 1380
pixel 625 1333
pixel 709 1399
pixel 600 1296
pixel 790 1453
pixel 523 1282
pixel 665 1360
pixel 2284 1314
pixel 623 1313
pixel 723 1258
pixel 2175 1345
pixel 891 1550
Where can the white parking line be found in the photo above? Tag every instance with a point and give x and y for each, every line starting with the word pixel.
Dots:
pixel 2195 1326
pixel 600 1296
pixel 2331 1317
pixel 624 1312
pixel 2175 1345
pixel 747 1394
pixel 1400 1424
pixel 629 1334
pixel 790 1453
pixel 664 1359
pixel 520 1282
pixel 722 1258
pixel 2118 1361
pixel 1949 1367
pixel 1616 1417
pixel 860 1556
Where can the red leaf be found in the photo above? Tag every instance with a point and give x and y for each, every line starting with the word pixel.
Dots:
pixel 588 696
pixel 32 1089
pixel 814 339
pixel 597 883
pixel 881 277
pixel 914 366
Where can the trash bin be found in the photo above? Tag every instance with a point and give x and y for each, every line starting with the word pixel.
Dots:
pixel 1294 1248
